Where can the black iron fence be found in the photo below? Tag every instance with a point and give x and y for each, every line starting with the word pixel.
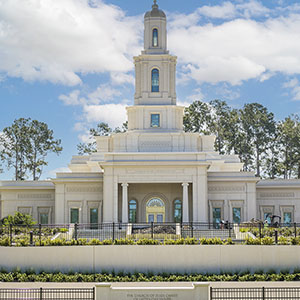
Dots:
pixel 255 293
pixel 48 294
pixel 24 235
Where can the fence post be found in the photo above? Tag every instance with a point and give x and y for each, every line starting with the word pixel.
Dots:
pixel 260 233
pixel 295 229
pixel 211 293
pixel 31 238
pixel 76 232
pixel 113 233
pixel 263 293
pixel 229 224
pixel 41 293
pixel 152 230
pixel 10 233
pixel 276 237
pixel 40 233
pixel 192 230
pixel 94 295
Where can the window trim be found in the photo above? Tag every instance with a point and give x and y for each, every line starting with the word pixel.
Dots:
pixel 155 113
pixel 136 210
pixel 154 29
pixel 153 69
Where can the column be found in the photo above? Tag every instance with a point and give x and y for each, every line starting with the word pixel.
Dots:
pixel 185 203
pixel 202 194
pixel 124 202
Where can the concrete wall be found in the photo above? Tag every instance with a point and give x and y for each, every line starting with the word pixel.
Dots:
pixel 177 258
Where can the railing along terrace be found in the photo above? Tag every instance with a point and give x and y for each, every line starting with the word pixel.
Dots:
pixel 41 234
pixel 255 293
pixel 48 294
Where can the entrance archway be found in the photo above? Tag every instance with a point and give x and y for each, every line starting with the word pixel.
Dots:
pixel 155 210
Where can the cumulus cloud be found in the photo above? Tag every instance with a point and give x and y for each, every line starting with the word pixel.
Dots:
pixel 237 50
pixel 59 40
pixel 113 114
pixel 294 85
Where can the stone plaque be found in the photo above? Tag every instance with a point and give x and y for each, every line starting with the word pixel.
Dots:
pixel 152 291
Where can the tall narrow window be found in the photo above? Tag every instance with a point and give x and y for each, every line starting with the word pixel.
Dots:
pixel 44 218
pixel 236 214
pixel 155 80
pixel 132 211
pixel 216 216
pixel 155 38
pixel 94 218
pixel 74 215
pixel 287 218
pixel 177 211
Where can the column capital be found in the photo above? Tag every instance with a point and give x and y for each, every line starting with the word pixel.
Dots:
pixel 185 184
pixel 124 184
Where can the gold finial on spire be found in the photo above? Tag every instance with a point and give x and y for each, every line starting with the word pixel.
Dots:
pixel 155 2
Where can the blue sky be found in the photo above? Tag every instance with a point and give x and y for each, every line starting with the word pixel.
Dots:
pixel 69 62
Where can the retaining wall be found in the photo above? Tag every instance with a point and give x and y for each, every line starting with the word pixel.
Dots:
pixel 160 258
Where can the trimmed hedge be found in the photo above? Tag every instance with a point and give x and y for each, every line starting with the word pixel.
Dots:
pixel 63 242
pixel 31 276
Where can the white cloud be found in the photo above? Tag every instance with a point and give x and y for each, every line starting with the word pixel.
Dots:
pixel 121 78
pixel 225 11
pixel 71 99
pixel 294 85
pixel 197 95
pixel 238 50
pixel 58 40
pixel 228 10
pixel 103 93
pixel 113 114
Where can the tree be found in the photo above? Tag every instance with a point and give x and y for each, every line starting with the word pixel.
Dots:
pixel 14 143
pixel 220 124
pixel 102 129
pixel 25 145
pixel 41 142
pixel 289 140
pixel 197 117
pixel 258 126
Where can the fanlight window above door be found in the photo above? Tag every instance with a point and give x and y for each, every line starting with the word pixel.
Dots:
pixel 155 202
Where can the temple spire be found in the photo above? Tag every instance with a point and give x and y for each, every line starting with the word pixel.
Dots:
pixel 154 4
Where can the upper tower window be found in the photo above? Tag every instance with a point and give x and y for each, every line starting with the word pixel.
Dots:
pixel 155 80
pixel 155 37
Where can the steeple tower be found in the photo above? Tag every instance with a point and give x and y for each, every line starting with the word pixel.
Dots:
pixel 155 109
pixel 155 69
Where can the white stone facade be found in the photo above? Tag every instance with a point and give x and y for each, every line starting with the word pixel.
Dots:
pixel 154 160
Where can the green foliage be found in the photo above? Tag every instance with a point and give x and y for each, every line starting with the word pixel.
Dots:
pixel 269 148
pixel 32 276
pixel 25 145
pixel 102 129
pixel 19 219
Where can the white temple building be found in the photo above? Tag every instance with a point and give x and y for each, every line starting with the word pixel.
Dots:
pixel 154 172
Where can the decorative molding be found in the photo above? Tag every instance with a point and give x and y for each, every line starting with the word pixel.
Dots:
pixel 84 189
pixel 226 188
pixel 155 146
pixel 156 171
pixel 277 195
pixel 34 196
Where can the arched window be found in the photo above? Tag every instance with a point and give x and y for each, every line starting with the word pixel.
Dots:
pixel 132 211
pixel 155 80
pixel 155 37
pixel 177 211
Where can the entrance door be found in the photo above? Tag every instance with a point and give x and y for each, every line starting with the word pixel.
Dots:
pixel 155 210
